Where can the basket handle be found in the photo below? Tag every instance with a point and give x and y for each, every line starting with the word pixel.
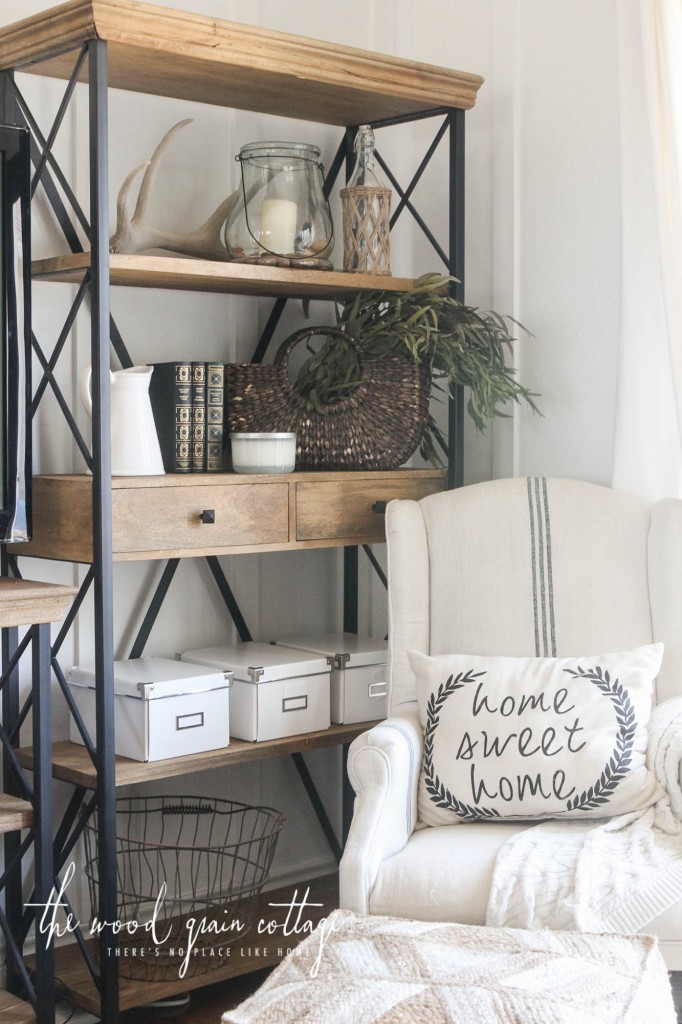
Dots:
pixel 281 360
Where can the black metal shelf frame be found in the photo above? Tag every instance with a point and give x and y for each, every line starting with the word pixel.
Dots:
pixel 37 986
pixel 95 290
pixel 100 578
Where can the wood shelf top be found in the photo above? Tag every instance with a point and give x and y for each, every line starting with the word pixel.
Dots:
pixel 231 479
pixel 249 953
pixel 15 1011
pixel 184 274
pixel 24 603
pixel 71 762
pixel 15 814
pixel 195 57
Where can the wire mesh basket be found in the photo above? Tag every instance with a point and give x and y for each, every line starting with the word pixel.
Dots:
pixel 189 873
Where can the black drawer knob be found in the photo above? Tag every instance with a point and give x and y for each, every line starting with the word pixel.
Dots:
pixel 208 516
pixel 379 506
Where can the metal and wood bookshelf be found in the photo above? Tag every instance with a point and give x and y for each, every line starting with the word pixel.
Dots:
pixel 26 804
pixel 96 520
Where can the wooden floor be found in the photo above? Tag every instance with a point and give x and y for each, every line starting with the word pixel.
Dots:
pixel 206 1004
pixel 15 1011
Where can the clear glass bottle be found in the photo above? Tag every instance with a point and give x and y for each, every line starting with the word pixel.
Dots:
pixel 281 214
pixel 366 203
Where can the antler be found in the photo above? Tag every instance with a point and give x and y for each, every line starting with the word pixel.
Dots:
pixel 135 233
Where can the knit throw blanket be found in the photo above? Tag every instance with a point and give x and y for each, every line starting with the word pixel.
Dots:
pixel 381 970
pixel 613 876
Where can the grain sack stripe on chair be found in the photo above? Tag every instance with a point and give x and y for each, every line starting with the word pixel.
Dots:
pixel 541 567
pixel 550 591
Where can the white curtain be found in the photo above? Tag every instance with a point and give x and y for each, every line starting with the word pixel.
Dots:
pixel 648 431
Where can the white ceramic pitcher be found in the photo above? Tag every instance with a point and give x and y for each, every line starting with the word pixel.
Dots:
pixel 135 447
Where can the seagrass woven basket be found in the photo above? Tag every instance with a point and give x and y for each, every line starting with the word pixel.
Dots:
pixel 379 426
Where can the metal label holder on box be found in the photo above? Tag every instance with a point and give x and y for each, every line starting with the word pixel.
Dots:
pixel 276 692
pixel 359 691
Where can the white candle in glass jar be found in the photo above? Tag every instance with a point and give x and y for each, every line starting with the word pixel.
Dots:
pixel 263 452
pixel 278 222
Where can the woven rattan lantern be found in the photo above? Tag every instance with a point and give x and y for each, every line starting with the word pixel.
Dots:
pixel 366 213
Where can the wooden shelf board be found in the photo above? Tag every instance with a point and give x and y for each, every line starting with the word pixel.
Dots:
pixel 71 763
pixel 15 814
pixel 248 479
pixel 250 953
pixel 15 1011
pixel 24 603
pixel 194 57
pixel 182 273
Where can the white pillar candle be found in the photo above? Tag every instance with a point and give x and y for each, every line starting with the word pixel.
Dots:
pixel 278 221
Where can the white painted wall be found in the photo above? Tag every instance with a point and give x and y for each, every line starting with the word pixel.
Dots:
pixel 542 244
pixel 557 225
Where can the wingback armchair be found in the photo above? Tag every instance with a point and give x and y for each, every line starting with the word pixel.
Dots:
pixel 515 567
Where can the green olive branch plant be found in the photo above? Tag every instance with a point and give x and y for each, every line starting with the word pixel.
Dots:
pixel 460 344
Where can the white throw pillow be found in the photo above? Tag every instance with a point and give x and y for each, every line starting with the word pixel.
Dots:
pixel 535 737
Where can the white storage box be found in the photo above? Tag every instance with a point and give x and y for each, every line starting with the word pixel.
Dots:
pixel 358 674
pixel 162 708
pixel 275 693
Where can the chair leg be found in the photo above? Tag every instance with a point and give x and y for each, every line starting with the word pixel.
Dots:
pixel 676 982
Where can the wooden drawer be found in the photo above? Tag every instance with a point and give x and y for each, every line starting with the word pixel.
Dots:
pixel 169 519
pixel 352 507
pixel 160 517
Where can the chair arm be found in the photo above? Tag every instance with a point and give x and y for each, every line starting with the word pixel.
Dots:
pixel 383 767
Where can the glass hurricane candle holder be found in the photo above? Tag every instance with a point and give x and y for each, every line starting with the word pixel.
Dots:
pixel 281 216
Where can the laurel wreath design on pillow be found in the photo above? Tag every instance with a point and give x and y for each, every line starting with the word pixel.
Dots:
pixel 616 768
pixel 618 765
pixel 438 792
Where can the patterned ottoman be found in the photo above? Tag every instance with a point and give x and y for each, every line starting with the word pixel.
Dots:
pixel 382 970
